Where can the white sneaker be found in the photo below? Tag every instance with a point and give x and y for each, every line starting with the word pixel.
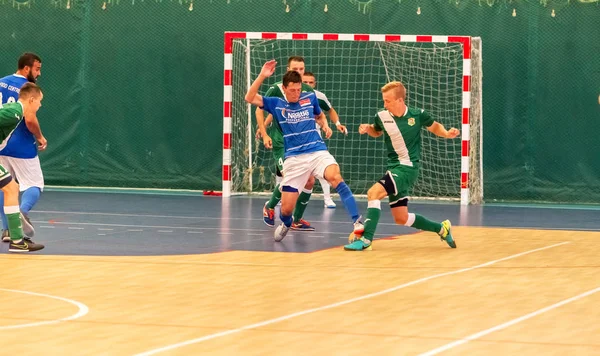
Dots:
pixel 329 203
pixel 280 232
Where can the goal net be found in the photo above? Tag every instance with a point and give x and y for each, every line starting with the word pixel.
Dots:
pixel 439 75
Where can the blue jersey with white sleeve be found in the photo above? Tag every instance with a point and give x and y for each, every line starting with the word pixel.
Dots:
pixel 21 143
pixel 297 122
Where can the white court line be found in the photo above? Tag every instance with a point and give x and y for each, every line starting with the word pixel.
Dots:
pixel 61 224
pixel 101 229
pixel 47 227
pixel 508 323
pixel 176 217
pixel 334 305
pixel 164 230
pixel 195 232
pixel 76 228
pixel 83 310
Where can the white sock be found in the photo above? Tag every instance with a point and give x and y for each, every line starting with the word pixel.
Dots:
pixel 326 188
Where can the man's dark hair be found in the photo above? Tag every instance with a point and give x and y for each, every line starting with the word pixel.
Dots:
pixel 27 59
pixel 309 74
pixel 295 59
pixel 291 77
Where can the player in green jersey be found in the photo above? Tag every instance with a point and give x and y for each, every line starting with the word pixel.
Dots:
pixel 30 100
pixel 402 127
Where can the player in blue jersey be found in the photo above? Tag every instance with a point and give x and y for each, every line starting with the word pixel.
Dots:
pixel 305 151
pixel 19 155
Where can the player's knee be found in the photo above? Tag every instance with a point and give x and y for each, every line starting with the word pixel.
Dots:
pixel 401 219
pixel 9 186
pixel 335 180
pixel 373 194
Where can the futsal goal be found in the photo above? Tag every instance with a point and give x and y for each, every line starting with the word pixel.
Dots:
pixel 442 75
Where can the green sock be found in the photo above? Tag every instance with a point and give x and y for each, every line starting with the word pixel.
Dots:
pixel 14 226
pixel 422 223
pixel 371 221
pixel 301 205
pixel 275 198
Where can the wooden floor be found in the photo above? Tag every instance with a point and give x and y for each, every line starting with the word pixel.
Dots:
pixel 408 296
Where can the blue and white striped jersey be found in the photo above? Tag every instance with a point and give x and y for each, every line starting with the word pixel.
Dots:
pixel 297 122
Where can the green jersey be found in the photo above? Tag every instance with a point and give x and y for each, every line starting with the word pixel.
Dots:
pixel 324 103
pixel 274 131
pixel 403 135
pixel 10 115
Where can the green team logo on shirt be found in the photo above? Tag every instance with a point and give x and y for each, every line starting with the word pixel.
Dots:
pixel 411 121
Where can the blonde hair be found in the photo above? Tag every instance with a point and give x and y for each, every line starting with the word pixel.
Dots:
pixel 399 88
pixel 29 90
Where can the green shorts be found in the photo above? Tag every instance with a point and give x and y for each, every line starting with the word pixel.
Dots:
pixel 278 155
pixel 5 177
pixel 398 182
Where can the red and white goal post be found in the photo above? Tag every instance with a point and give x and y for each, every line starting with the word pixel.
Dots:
pixel 442 75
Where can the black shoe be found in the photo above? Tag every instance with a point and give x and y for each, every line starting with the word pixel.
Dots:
pixel 5 236
pixel 24 246
pixel 28 229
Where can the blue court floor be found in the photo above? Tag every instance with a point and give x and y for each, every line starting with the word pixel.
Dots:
pixel 114 223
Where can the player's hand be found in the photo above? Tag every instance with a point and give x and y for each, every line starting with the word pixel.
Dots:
pixel 258 134
pixel 363 128
pixel 42 143
pixel 328 132
pixel 342 129
pixel 268 142
pixel 453 132
pixel 268 68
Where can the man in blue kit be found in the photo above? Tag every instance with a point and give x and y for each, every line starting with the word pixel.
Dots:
pixel 305 151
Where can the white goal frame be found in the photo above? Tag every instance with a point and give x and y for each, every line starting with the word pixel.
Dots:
pixel 466 94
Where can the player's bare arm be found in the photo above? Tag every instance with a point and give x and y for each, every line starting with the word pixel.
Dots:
pixel 439 130
pixel 252 95
pixel 322 121
pixel 33 126
pixel 369 129
pixel 333 116
pixel 262 127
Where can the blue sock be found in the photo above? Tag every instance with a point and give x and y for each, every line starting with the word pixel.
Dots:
pixel 287 220
pixel 348 200
pixel 4 221
pixel 29 198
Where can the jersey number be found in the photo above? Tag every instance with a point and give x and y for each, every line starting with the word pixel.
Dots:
pixel 11 99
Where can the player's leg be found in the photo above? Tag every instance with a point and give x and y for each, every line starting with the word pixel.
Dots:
pixel 328 168
pixel 5 232
pixel 299 223
pixel 295 177
pixel 269 208
pixel 327 201
pixel 31 183
pixel 11 209
pixel 379 190
pixel 404 179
